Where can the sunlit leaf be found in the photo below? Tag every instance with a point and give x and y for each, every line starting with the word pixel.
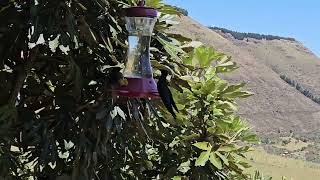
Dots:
pixel 176 178
pixel 120 112
pixel 184 167
pixel 237 94
pixel 203 146
pixel 203 158
pixel 215 160
pixel 223 158
pixel 227 148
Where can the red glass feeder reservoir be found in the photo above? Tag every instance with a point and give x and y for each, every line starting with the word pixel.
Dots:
pixel 140 22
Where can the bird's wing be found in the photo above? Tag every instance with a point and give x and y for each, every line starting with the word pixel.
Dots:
pixel 166 97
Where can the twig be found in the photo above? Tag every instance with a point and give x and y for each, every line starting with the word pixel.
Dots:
pixel 22 75
pixel 90 104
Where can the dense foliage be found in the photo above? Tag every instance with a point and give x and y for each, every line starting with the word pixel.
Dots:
pixel 242 35
pixel 58 61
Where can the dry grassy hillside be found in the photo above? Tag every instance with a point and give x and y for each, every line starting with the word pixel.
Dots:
pixel 284 57
pixel 276 106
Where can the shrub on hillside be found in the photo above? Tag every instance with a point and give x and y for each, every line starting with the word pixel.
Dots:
pixel 181 10
pixel 242 35
pixel 301 88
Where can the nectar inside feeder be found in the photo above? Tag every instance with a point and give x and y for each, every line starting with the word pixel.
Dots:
pixel 140 21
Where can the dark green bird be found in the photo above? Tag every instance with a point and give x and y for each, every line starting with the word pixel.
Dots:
pixel 165 93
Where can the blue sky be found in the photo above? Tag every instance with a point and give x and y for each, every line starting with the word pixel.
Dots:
pixel 299 19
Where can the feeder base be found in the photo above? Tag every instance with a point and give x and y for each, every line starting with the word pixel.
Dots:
pixel 137 88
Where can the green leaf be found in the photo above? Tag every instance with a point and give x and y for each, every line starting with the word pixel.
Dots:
pixel 149 165
pixel 174 142
pixel 7 113
pixel 217 112
pixel 184 167
pixel 157 65
pixel 208 86
pixel 188 59
pixel 221 85
pixel 249 137
pixel 171 49
pixel 215 160
pixel 210 73
pixel 237 94
pixel 226 105
pixel 5 7
pixel 203 56
pixel 81 6
pixel 179 37
pixel 167 9
pixel 182 82
pixel 226 65
pixel 50 86
pixel 223 158
pixel 203 158
pixel 120 112
pixel 169 19
pixel 153 3
pixel 113 113
pixel 227 148
pixel 233 88
pixel 203 146
pixel 177 178
pixel 212 130
pixel 190 137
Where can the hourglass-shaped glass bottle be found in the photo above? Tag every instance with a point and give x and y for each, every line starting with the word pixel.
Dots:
pixel 140 22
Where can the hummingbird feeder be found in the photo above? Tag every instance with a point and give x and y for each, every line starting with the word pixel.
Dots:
pixel 140 21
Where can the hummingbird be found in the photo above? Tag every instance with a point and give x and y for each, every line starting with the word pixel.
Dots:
pixel 165 93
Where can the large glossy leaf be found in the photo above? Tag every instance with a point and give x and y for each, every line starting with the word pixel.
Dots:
pixel 203 158
pixel 203 56
pixel 184 167
pixel 249 137
pixel 169 19
pixel 237 94
pixel 226 65
pixel 153 3
pixel 157 65
pixel 223 158
pixel 177 178
pixel 170 48
pixel 203 146
pixel 233 88
pixel 210 73
pixel 227 148
pixel 208 87
pixel 226 105
pixel 215 160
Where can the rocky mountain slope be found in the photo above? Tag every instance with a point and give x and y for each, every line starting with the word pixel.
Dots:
pixel 276 106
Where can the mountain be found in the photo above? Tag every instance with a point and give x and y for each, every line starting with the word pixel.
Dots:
pixel 283 74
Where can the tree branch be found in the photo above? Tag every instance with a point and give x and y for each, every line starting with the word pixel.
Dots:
pixel 22 75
